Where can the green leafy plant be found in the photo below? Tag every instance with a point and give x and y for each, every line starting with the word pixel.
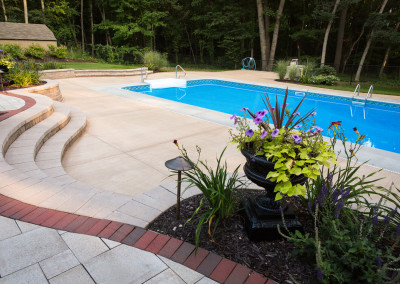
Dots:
pixel 24 74
pixel 296 149
pixel 281 66
pixel 293 72
pixel 6 60
pixel 218 187
pixel 325 70
pixel 35 51
pixel 154 60
pixel 14 51
pixel 354 240
pixel 307 71
pixel 59 52
pixel 52 65
pixel 325 79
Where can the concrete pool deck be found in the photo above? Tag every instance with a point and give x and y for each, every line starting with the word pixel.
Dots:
pixel 126 134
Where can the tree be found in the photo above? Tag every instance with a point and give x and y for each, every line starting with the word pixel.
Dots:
pixel 25 11
pixel 327 31
pixel 82 28
pixel 367 46
pixel 339 40
pixel 4 10
pixel 263 42
pixel 275 35
pixel 396 39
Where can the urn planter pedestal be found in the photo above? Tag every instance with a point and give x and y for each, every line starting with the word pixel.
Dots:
pixel 262 213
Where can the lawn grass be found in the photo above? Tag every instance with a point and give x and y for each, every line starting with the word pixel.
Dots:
pixel 91 65
pixel 378 88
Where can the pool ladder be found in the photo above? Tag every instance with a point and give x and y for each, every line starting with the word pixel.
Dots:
pixel 356 93
pixel 176 72
pixel 143 69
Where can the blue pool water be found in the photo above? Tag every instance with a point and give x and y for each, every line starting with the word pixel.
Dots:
pixel 379 121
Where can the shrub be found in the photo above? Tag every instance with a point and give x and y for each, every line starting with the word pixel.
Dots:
pixel 154 60
pixel 52 65
pixel 325 70
pixel 324 80
pixel 35 51
pixel 218 188
pixel 14 51
pixel 281 68
pixel 24 74
pixel 293 72
pixel 59 52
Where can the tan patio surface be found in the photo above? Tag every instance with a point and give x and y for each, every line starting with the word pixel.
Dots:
pixel 126 142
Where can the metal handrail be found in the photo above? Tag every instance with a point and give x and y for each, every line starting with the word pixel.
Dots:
pixel 176 71
pixel 141 73
pixel 355 90
pixel 369 95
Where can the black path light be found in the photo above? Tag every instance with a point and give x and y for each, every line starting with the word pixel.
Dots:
pixel 179 164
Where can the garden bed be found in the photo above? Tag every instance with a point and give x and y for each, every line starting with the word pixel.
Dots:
pixel 272 259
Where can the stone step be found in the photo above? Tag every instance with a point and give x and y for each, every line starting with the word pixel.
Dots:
pixel 14 126
pixel 49 157
pixel 21 154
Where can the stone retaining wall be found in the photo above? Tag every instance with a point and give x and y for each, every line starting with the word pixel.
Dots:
pixel 50 89
pixel 72 73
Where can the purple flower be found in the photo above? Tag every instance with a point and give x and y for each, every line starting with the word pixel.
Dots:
pixel 297 113
pixel 263 134
pixel 285 105
pixel 234 119
pixel 295 136
pixel 318 129
pixel 243 109
pixel 320 275
pixel 261 113
pixel 274 133
pixel 379 261
pixel 330 177
pixel 249 132
pixel 273 109
pixel 375 220
pixel 298 126
pixel 338 208
pixel 313 113
pixel 258 120
pixel 253 159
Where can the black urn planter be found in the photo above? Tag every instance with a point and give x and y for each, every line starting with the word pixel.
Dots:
pixel 262 213
pixel 4 68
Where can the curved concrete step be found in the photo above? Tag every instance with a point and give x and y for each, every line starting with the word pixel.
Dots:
pixel 21 153
pixel 49 157
pixel 14 126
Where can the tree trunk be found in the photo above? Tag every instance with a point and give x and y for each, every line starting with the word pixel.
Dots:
pixel 42 4
pixel 327 31
pixel 267 35
pixel 82 30
pixel 358 74
pixel 4 10
pixel 44 16
pixel 275 35
pixel 25 11
pixel 91 26
pixel 190 45
pixel 387 55
pixel 340 36
pixel 261 28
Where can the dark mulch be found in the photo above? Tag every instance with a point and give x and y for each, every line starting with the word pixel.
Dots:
pixel 272 259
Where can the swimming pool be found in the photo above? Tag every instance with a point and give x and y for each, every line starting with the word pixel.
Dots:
pixel 377 120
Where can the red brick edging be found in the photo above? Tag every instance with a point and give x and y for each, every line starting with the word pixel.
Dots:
pixel 29 102
pixel 207 263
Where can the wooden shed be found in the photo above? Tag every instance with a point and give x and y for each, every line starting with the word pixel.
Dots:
pixel 26 34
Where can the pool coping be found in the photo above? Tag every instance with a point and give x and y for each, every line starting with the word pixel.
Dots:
pixel 371 156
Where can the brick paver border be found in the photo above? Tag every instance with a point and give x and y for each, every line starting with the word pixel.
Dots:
pixel 29 102
pixel 207 263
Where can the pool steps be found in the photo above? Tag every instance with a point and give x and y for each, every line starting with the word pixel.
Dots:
pixel 33 144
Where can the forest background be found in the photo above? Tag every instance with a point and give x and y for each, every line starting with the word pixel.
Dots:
pixel 354 36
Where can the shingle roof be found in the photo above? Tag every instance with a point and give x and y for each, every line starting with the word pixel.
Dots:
pixel 20 31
